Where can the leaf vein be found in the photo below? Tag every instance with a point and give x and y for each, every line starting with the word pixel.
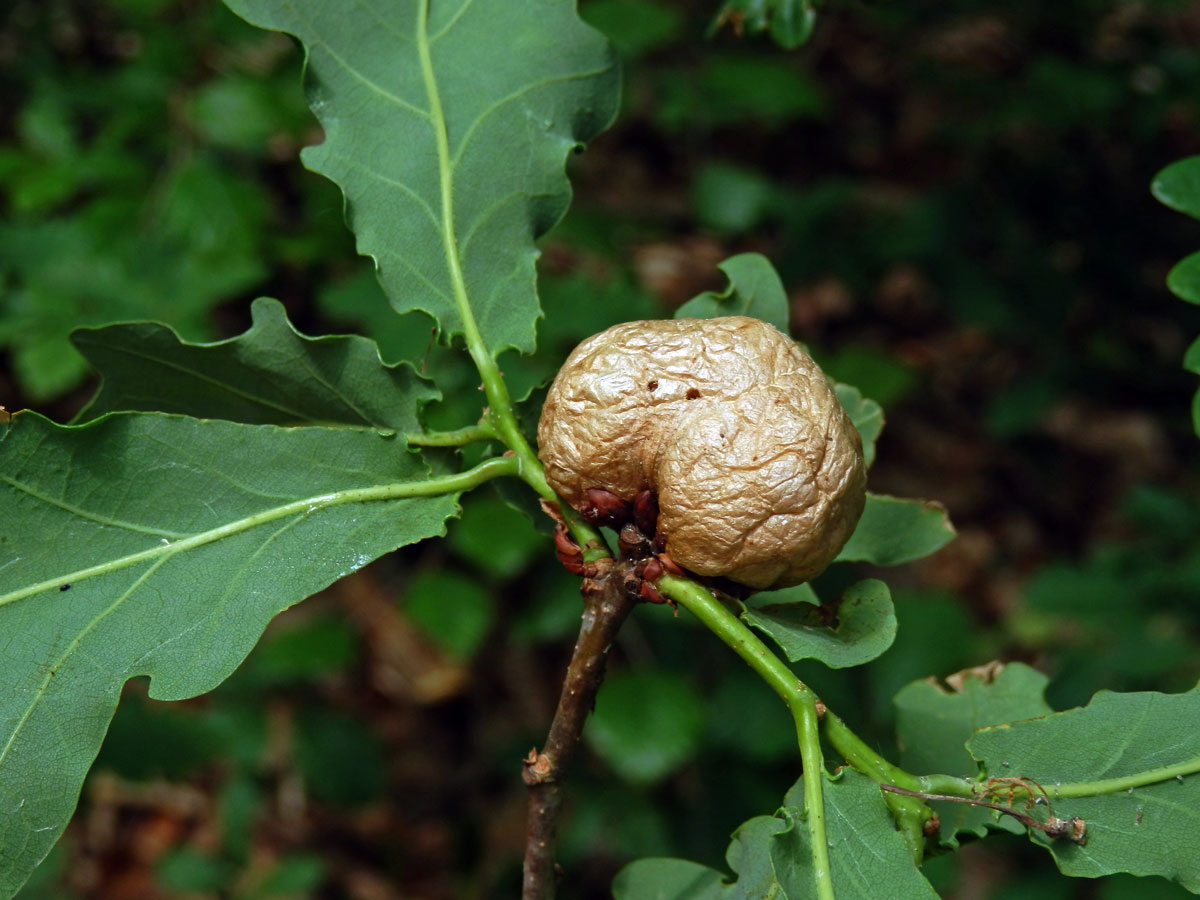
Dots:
pixel 87 515
pixel 433 39
pixel 70 649
pixel 484 216
pixel 485 113
pixel 419 275
pixel 391 182
pixel 385 24
pixel 313 30
pixel 244 567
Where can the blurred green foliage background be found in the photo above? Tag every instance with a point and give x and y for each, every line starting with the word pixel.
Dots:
pixel 957 197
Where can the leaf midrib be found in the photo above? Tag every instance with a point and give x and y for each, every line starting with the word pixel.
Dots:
pixel 394 491
pixel 437 121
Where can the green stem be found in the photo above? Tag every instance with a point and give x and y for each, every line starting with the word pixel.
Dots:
pixel 962 787
pixel 856 752
pixel 910 813
pixel 459 437
pixel 808 732
pixel 500 415
pixel 730 629
pixel 944 784
pixel 446 484
pixel 801 701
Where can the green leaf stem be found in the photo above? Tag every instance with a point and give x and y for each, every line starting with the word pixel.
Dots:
pixel 800 701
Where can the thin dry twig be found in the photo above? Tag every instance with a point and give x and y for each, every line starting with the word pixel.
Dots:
pixel 606 604
pixel 1074 828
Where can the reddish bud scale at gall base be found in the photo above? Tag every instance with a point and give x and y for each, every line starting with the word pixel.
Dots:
pixel 728 426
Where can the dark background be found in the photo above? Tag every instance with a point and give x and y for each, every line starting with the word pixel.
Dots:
pixel 956 195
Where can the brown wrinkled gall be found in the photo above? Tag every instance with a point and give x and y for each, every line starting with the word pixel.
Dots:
pixel 757 468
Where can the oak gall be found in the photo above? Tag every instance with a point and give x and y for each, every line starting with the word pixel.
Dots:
pixel 757 469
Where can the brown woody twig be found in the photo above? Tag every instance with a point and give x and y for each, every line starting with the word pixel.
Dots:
pixel 1074 829
pixel 607 603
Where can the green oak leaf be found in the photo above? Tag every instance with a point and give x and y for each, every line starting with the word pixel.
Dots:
pixel 855 630
pixel 893 530
pixel 754 290
pixel 270 375
pixel 934 723
pixel 753 856
pixel 1191 362
pixel 447 126
pixel 155 545
pixel 1128 765
pixel 1178 186
pixel 868 855
pixel 1184 278
pixel 867 416
pixel 771 855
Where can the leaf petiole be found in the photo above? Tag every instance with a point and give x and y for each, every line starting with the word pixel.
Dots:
pixel 800 701
pixel 856 752
pixel 459 437
pixel 910 813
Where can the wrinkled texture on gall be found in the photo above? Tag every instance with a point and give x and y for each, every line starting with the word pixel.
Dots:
pixel 757 467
